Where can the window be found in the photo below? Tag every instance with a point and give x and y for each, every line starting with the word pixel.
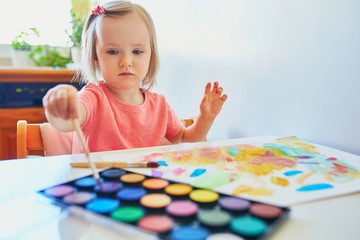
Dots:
pixel 50 17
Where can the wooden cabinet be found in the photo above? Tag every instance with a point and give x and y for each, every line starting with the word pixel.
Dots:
pixel 10 116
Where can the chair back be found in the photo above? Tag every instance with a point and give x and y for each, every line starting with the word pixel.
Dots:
pixel 42 139
pixel 28 139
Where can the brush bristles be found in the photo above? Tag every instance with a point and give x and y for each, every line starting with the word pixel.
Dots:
pixel 152 165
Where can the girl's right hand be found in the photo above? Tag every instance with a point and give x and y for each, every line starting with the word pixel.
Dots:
pixel 62 102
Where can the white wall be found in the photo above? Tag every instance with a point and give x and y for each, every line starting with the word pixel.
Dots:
pixel 289 67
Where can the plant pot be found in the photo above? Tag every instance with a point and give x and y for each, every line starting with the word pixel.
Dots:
pixel 75 55
pixel 20 59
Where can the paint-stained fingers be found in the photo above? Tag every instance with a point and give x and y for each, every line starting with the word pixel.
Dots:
pixel 220 92
pixel 215 87
pixel 207 88
pixel 224 97
pixel 221 100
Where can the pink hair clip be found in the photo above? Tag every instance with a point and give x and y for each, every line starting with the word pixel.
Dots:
pixel 98 10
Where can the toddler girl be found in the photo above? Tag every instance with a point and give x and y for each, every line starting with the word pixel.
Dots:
pixel 119 112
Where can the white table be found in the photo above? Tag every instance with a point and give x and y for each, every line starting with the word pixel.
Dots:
pixel 25 215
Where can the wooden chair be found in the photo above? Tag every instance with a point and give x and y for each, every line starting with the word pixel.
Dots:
pixel 43 139
pixel 29 140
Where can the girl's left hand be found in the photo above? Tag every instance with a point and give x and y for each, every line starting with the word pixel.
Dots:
pixel 212 102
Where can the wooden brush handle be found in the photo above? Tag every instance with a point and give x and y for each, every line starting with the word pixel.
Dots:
pixel 86 149
pixel 99 164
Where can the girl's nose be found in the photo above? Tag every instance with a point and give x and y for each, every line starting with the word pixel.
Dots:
pixel 125 62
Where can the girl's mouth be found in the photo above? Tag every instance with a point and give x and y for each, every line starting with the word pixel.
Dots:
pixel 126 74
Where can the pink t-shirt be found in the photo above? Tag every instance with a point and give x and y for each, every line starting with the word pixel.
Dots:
pixel 112 125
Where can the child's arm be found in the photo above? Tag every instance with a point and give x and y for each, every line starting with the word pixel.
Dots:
pixel 209 108
pixel 61 104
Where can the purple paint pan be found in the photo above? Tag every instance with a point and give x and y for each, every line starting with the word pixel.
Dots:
pixel 234 204
pixel 108 187
pixel 59 191
pixel 79 198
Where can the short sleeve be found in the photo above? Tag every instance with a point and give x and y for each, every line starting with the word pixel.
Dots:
pixel 174 124
pixel 90 96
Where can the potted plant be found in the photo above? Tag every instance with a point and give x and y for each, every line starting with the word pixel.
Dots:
pixel 79 12
pixel 21 48
pixel 45 55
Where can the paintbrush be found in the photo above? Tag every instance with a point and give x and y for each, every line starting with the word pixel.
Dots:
pixel 90 163
pixel 117 165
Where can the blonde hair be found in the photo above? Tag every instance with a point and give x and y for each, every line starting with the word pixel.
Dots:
pixel 88 70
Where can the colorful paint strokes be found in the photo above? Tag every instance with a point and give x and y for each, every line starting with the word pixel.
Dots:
pixel 198 172
pixel 278 168
pixel 314 187
pixel 292 173
pixel 162 163
pixel 280 181
pixel 179 171
pixel 156 173
pixel 252 191
pixel 215 180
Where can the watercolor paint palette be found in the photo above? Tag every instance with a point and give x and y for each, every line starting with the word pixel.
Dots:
pixel 167 209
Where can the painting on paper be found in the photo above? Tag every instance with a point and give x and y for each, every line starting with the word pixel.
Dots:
pixel 281 171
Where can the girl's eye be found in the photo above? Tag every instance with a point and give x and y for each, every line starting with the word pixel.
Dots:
pixel 112 52
pixel 137 51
